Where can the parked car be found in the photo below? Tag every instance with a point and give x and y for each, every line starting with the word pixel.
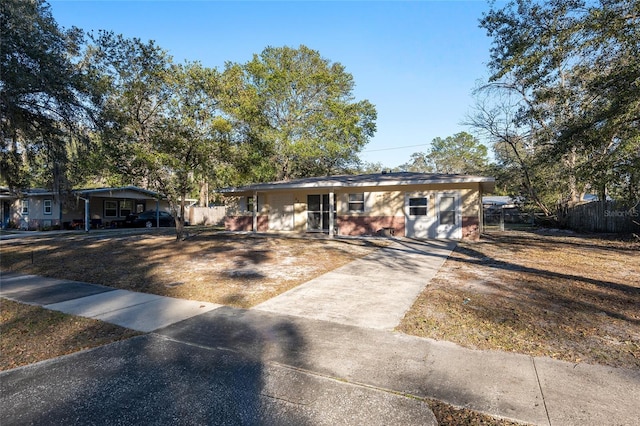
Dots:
pixel 147 219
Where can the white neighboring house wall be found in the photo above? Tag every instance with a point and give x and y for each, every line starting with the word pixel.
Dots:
pixel 35 211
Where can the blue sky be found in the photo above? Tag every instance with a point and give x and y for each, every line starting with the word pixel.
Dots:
pixel 416 61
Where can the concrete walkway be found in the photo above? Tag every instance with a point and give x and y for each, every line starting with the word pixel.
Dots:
pixel 302 358
pixel 137 311
pixel 374 291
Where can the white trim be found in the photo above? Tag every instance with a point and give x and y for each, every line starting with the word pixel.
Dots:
pixel 363 181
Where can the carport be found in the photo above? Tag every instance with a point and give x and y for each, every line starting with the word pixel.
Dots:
pixel 108 207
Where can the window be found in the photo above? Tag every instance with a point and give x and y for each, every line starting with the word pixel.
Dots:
pixel 126 206
pixel 447 211
pixel 47 206
pixel 24 206
pixel 318 210
pixel 418 206
pixel 110 208
pixel 356 202
pixel 250 204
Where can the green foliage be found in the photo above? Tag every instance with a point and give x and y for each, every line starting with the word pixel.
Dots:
pixel 118 111
pixel 161 123
pixel 458 154
pixel 296 110
pixel 45 97
pixel 461 153
pixel 574 65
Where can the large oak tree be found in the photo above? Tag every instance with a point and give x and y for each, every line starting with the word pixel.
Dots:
pixel 298 110
pixel 574 66
pixel 46 98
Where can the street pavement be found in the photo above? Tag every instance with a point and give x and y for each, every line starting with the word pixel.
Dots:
pixel 285 362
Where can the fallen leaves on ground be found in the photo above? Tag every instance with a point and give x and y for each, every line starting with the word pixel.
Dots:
pixel 229 269
pixel 448 415
pixel 31 334
pixel 570 297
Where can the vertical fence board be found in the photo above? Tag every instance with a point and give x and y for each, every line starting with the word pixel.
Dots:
pixel 603 216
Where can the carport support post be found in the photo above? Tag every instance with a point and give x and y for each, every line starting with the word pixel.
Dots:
pixel 255 212
pixel 86 215
pixel 331 219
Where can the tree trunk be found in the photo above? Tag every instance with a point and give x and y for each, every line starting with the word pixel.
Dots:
pixel 204 194
pixel 180 220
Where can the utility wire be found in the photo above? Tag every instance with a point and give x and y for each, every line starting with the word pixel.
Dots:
pixel 397 147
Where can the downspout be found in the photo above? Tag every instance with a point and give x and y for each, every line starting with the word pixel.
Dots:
pixel 255 211
pixel 331 208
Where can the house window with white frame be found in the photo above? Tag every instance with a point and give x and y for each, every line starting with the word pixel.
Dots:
pixel 110 208
pixel 47 207
pixel 418 206
pixel 356 202
pixel 126 207
pixel 24 207
pixel 249 200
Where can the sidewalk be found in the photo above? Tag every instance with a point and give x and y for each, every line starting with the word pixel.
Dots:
pixel 137 311
pixel 295 363
pixel 526 389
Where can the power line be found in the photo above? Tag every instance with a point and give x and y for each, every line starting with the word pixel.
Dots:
pixel 390 149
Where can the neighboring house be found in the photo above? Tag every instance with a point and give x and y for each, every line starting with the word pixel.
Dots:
pixel 415 205
pixel 107 207
pixel 7 199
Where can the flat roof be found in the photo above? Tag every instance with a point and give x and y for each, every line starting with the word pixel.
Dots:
pixel 366 180
pixel 92 191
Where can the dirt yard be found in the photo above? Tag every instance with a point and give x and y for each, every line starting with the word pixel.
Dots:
pixel 234 270
pixel 570 297
pixel 31 334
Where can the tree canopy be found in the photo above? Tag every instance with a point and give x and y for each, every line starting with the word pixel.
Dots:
pixel 461 153
pixel 300 110
pixel 572 69
pixel 161 126
pixel 106 109
pixel 45 97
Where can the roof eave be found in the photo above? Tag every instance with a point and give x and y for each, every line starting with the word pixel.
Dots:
pixel 487 184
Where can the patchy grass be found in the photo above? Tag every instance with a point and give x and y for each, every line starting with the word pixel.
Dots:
pixel 234 270
pixel 31 334
pixel 569 297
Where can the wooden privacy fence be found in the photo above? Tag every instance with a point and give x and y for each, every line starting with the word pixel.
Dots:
pixel 602 216
pixel 207 215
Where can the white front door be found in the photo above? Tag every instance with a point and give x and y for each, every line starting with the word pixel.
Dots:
pixel 281 212
pixel 416 213
pixel 449 216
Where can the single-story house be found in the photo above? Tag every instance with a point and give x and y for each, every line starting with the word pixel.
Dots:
pixel 82 209
pixel 415 205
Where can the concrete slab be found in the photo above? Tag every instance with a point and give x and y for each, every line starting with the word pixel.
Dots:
pixel 156 314
pixel 580 394
pixel 138 311
pixel 152 380
pixel 11 283
pixel 49 291
pixel 100 304
pixel 359 293
pixel 496 383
